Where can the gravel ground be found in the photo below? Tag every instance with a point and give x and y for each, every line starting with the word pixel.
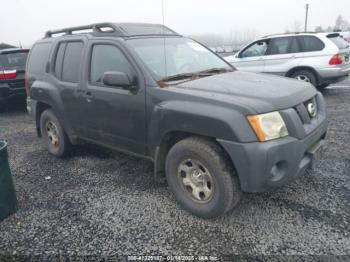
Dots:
pixel 99 202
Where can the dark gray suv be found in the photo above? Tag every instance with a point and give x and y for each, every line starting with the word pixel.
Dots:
pixel 143 89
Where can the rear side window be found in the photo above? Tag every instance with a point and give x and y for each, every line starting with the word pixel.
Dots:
pixel 59 59
pixel 106 58
pixel 38 58
pixel 283 45
pixel 72 62
pixel 310 43
pixel 14 60
pixel 338 41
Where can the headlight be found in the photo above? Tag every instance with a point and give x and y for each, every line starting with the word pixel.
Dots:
pixel 268 126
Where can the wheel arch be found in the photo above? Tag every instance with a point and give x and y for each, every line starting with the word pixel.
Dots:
pixel 40 108
pixel 303 68
pixel 168 141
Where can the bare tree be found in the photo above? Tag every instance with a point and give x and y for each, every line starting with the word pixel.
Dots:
pixel 319 29
pixel 296 26
pixel 341 24
pixel 232 41
pixel 238 38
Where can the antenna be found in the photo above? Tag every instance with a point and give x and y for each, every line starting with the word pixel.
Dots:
pixel 165 62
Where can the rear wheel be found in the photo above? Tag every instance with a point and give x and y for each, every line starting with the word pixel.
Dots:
pixel 201 177
pixel 306 76
pixel 55 138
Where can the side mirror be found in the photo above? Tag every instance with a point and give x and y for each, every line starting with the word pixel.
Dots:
pixel 117 79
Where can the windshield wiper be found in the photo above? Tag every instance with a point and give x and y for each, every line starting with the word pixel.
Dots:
pixel 215 70
pixel 178 77
pixel 206 72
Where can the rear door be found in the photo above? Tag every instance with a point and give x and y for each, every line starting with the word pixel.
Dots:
pixel 252 57
pixel 283 54
pixel 66 76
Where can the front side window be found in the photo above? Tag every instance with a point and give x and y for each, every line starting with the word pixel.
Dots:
pixel 72 62
pixel 256 49
pixel 175 55
pixel 106 58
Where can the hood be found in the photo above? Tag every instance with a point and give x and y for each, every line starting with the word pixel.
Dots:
pixel 256 92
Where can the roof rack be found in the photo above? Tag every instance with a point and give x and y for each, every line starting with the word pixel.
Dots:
pixel 115 29
pixel 291 33
pixel 100 28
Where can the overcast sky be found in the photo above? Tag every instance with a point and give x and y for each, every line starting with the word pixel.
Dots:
pixel 27 20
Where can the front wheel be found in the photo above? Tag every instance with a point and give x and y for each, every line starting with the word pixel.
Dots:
pixel 55 138
pixel 202 178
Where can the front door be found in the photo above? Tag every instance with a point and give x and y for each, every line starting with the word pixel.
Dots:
pixel 113 116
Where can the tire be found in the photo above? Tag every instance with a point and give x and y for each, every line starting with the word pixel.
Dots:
pixel 304 75
pixel 53 134
pixel 210 162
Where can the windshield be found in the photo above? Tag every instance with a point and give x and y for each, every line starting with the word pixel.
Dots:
pixel 173 56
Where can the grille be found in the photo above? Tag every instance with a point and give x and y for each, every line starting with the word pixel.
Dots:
pixel 307 110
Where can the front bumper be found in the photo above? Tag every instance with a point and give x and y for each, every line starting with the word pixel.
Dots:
pixel 263 166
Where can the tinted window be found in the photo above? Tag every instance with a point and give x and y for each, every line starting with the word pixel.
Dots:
pixel 39 57
pixel 59 59
pixel 257 49
pixel 294 45
pixel 72 62
pixel 14 60
pixel 279 46
pixel 339 41
pixel 107 58
pixel 283 45
pixel 311 43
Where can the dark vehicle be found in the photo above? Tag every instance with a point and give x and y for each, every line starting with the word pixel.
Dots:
pixel 12 65
pixel 144 89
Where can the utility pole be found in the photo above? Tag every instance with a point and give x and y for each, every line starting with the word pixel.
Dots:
pixel 306 16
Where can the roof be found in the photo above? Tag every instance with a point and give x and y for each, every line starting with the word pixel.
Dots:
pixel 13 50
pixel 5 46
pixel 115 29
